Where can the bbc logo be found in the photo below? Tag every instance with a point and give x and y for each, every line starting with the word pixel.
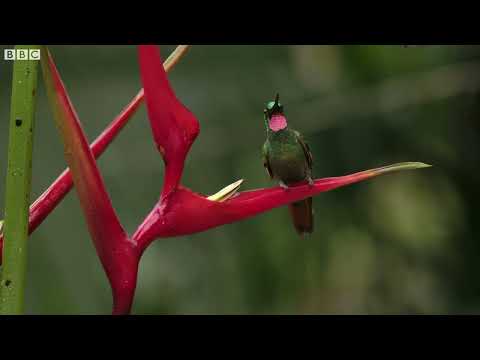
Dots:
pixel 21 54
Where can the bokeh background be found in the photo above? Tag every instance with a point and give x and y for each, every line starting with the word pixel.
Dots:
pixel 406 243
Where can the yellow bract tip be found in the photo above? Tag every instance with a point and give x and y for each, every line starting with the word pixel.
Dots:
pixel 227 192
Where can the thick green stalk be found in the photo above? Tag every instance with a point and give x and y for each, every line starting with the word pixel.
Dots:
pixel 19 171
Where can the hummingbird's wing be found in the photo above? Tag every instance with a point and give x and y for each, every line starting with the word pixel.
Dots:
pixel 306 149
pixel 266 164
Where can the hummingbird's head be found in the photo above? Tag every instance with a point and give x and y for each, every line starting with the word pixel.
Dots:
pixel 274 115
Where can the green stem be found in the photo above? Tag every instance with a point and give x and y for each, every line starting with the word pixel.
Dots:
pixel 19 171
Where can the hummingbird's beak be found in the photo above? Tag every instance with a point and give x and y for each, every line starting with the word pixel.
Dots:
pixel 276 106
pixel 277 98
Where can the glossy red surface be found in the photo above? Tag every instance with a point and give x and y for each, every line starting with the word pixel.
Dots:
pixel 117 253
pixel 174 127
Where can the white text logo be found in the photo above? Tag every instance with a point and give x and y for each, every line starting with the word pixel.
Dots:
pixel 21 54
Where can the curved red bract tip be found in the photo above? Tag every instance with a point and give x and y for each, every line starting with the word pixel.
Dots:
pixel 186 212
pixel 174 127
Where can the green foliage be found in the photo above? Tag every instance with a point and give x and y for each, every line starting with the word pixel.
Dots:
pixel 18 184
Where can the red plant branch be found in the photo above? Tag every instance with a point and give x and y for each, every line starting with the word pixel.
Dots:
pixel 55 193
pixel 187 212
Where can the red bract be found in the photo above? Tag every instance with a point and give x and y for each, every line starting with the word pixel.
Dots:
pixel 186 212
pixel 174 127
pixel 117 253
pixel 179 211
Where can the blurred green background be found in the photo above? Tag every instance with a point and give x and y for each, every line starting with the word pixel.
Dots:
pixel 405 243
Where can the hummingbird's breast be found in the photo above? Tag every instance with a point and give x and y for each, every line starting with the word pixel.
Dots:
pixel 287 159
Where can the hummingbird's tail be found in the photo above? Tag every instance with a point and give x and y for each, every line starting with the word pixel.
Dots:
pixel 302 216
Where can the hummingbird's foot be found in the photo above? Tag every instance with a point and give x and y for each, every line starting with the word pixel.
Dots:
pixel 310 181
pixel 283 185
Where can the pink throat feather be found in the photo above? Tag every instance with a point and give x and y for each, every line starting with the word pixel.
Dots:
pixel 277 123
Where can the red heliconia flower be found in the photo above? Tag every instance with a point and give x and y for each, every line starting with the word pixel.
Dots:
pixel 179 210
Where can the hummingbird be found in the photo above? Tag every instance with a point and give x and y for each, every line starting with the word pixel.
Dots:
pixel 288 159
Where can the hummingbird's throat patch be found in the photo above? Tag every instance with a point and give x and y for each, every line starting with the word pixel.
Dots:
pixel 277 123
